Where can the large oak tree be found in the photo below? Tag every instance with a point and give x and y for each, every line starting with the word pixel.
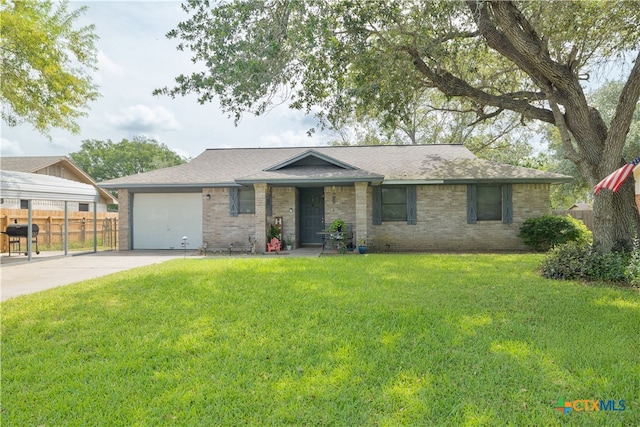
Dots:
pixel 530 58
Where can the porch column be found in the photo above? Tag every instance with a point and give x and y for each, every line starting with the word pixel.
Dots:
pixel 361 211
pixel 261 217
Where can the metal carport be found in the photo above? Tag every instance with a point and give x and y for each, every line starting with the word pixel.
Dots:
pixel 30 186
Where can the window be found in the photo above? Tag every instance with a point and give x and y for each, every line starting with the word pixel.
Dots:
pixel 24 204
pixel 394 203
pixel 489 203
pixel 83 207
pixel 242 201
pixel 246 201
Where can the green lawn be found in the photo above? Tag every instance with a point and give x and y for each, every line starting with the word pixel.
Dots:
pixel 345 340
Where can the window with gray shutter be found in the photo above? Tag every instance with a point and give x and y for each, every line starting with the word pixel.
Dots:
pixel 412 209
pixel 507 204
pixel 376 194
pixel 268 202
pixel 489 202
pixel 471 204
pixel 233 201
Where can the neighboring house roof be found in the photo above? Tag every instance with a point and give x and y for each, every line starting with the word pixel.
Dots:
pixel 581 206
pixel 29 186
pixel 339 164
pixel 36 164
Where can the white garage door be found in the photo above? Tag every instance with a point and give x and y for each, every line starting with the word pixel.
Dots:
pixel 160 220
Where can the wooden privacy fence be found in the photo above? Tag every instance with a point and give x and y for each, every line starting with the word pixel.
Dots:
pixel 52 230
pixel 585 215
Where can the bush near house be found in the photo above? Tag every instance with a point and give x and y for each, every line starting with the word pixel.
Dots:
pixel 580 261
pixel 545 232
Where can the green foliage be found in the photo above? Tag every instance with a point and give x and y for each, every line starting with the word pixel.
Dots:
pixel 389 340
pixel 104 160
pixel 632 272
pixel 580 261
pixel 336 225
pixel 367 59
pixel 545 232
pixel 273 232
pixel 45 77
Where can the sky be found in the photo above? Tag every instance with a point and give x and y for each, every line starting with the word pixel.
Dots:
pixel 134 58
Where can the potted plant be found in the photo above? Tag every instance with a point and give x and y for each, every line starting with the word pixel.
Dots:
pixel 289 243
pixel 362 246
pixel 272 232
pixel 337 225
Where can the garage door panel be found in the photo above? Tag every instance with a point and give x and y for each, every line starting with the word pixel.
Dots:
pixel 160 220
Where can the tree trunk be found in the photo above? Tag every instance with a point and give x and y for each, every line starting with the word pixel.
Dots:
pixel 616 219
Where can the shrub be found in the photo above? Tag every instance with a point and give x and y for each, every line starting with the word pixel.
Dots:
pixel 548 231
pixel 632 272
pixel 575 260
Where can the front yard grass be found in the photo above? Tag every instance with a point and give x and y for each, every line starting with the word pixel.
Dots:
pixel 354 341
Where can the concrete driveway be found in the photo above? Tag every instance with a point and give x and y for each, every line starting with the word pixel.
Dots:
pixel 28 277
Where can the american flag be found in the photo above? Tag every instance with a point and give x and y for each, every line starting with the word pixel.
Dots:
pixel 615 179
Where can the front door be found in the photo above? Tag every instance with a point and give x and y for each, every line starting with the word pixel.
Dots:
pixel 311 215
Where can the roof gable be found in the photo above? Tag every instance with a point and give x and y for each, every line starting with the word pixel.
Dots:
pixel 310 158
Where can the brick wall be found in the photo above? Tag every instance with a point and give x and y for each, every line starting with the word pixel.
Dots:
pixel 339 203
pixel 442 222
pixel 124 228
pixel 284 203
pixel 219 229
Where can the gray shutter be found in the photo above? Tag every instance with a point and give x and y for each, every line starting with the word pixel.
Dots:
pixel 471 204
pixel 233 201
pixel 268 203
pixel 411 205
pixel 376 194
pixel 507 205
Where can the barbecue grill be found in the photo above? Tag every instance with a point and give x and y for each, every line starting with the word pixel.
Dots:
pixel 15 232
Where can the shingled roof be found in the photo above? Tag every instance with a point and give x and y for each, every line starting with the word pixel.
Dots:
pixel 341 164
pixel 29 164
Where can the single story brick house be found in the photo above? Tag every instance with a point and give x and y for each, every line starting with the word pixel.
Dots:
pixel 397 198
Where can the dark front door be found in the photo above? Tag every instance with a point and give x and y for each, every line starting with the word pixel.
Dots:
pixel 311 215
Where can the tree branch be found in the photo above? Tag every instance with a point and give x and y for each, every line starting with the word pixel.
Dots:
pixel 621 121
pixel 454 86
pixel 482 116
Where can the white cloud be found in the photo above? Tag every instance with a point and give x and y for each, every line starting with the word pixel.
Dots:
pixel 63 142
pixel 9 148
pixel 107 66
pixel 144 119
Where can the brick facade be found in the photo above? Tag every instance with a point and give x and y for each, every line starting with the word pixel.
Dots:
pixel 442 222
pixel 441 219
pixel 124 215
